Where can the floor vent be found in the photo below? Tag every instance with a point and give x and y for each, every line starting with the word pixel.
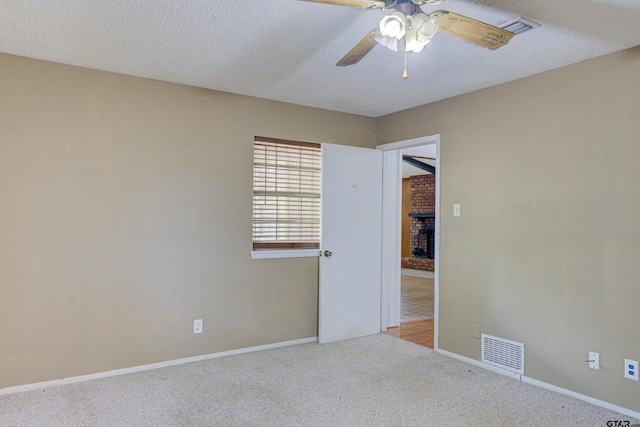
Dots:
pixel 519 25
pixel 503 353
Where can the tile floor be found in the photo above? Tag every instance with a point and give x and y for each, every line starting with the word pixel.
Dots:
pixel 416 297
pixel 416 311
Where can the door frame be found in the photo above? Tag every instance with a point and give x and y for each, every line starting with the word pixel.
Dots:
pixel 392 227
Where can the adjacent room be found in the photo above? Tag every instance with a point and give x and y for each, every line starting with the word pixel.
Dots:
pixel 201 212
pixel 417 298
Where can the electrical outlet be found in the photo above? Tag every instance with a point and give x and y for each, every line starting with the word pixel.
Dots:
pixel 476 330
pixel 594 360
pixel 197 326
pixel 631 369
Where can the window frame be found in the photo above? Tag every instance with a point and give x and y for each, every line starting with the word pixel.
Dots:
pixel 284 249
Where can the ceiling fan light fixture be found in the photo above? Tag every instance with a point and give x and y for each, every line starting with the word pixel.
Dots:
pixel 422 27
pixel 425 26
pixel 412 44
pixel 393 25
pixel 428 29
pixel 417 20
pixel 387 41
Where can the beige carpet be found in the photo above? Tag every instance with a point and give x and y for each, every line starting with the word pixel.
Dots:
pixel 373 381
pixel 416 298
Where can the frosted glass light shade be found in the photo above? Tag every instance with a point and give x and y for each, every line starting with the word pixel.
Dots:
pixel 427 30
pixel 411 42
pixel 393 25
pixel 387 41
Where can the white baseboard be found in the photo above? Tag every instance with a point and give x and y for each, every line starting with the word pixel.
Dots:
pixel 124 371
pixel 524 378
pixel 478 363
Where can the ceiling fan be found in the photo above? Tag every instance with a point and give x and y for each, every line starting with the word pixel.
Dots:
pixel 408 21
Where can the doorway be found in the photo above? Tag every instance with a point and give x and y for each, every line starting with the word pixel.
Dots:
pixel 423 330
pixel 417 245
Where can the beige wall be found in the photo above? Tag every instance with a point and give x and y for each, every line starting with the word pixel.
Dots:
pixel 125 214
pixel 546 250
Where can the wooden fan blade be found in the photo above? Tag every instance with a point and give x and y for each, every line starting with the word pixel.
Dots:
pixel 473 31
pixel 362 4
pixel 360 50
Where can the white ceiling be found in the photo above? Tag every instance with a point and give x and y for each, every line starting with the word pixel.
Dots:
pixel 286 50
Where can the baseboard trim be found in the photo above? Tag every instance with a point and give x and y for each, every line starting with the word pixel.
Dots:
pixel 124 371
pixel 597 402
pixel 479 364
pixel 542 384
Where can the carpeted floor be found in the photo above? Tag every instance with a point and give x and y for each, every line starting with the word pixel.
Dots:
pixel 378 380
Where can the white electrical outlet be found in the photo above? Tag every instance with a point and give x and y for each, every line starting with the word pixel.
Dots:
pixel 476 330
pixel 631 369
pixel 594 360
pixel 197 326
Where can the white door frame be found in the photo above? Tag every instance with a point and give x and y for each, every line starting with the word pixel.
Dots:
pixel 391 231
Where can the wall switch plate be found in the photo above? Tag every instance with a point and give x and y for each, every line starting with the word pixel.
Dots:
pixel 456 209
pixel 631 369
pixel 594 360
pixel 476 330
pixel 197 326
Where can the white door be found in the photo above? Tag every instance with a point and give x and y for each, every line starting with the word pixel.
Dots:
pixel 351 243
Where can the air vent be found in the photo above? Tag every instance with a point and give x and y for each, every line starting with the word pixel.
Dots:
pixel 519 25
pixel 503 353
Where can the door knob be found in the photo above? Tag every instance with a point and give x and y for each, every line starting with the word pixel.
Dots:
pixel 328 254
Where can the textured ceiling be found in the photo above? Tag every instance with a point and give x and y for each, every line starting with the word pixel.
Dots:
pixel 286 50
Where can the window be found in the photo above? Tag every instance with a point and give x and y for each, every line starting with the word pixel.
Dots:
pixel 286 194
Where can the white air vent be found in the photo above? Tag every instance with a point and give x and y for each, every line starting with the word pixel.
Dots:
pixel 519 25
pixel 503 353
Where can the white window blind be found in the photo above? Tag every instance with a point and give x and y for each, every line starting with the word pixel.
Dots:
pixel 286 194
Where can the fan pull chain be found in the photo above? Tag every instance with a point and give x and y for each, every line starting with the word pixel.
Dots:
pixel 404 74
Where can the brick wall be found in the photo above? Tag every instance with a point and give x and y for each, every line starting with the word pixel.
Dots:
pixel 423 199
pixel 417 263
pixel 423 193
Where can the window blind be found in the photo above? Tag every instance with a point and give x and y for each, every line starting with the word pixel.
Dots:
pixel 286 194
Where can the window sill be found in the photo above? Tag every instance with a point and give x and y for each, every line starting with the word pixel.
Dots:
pixel 284 253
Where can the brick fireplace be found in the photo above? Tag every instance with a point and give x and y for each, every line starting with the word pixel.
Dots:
pixel 422 222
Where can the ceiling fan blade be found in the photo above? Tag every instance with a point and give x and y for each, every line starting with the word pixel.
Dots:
pixel 362 4
pixel 363 47
pixel 473 31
